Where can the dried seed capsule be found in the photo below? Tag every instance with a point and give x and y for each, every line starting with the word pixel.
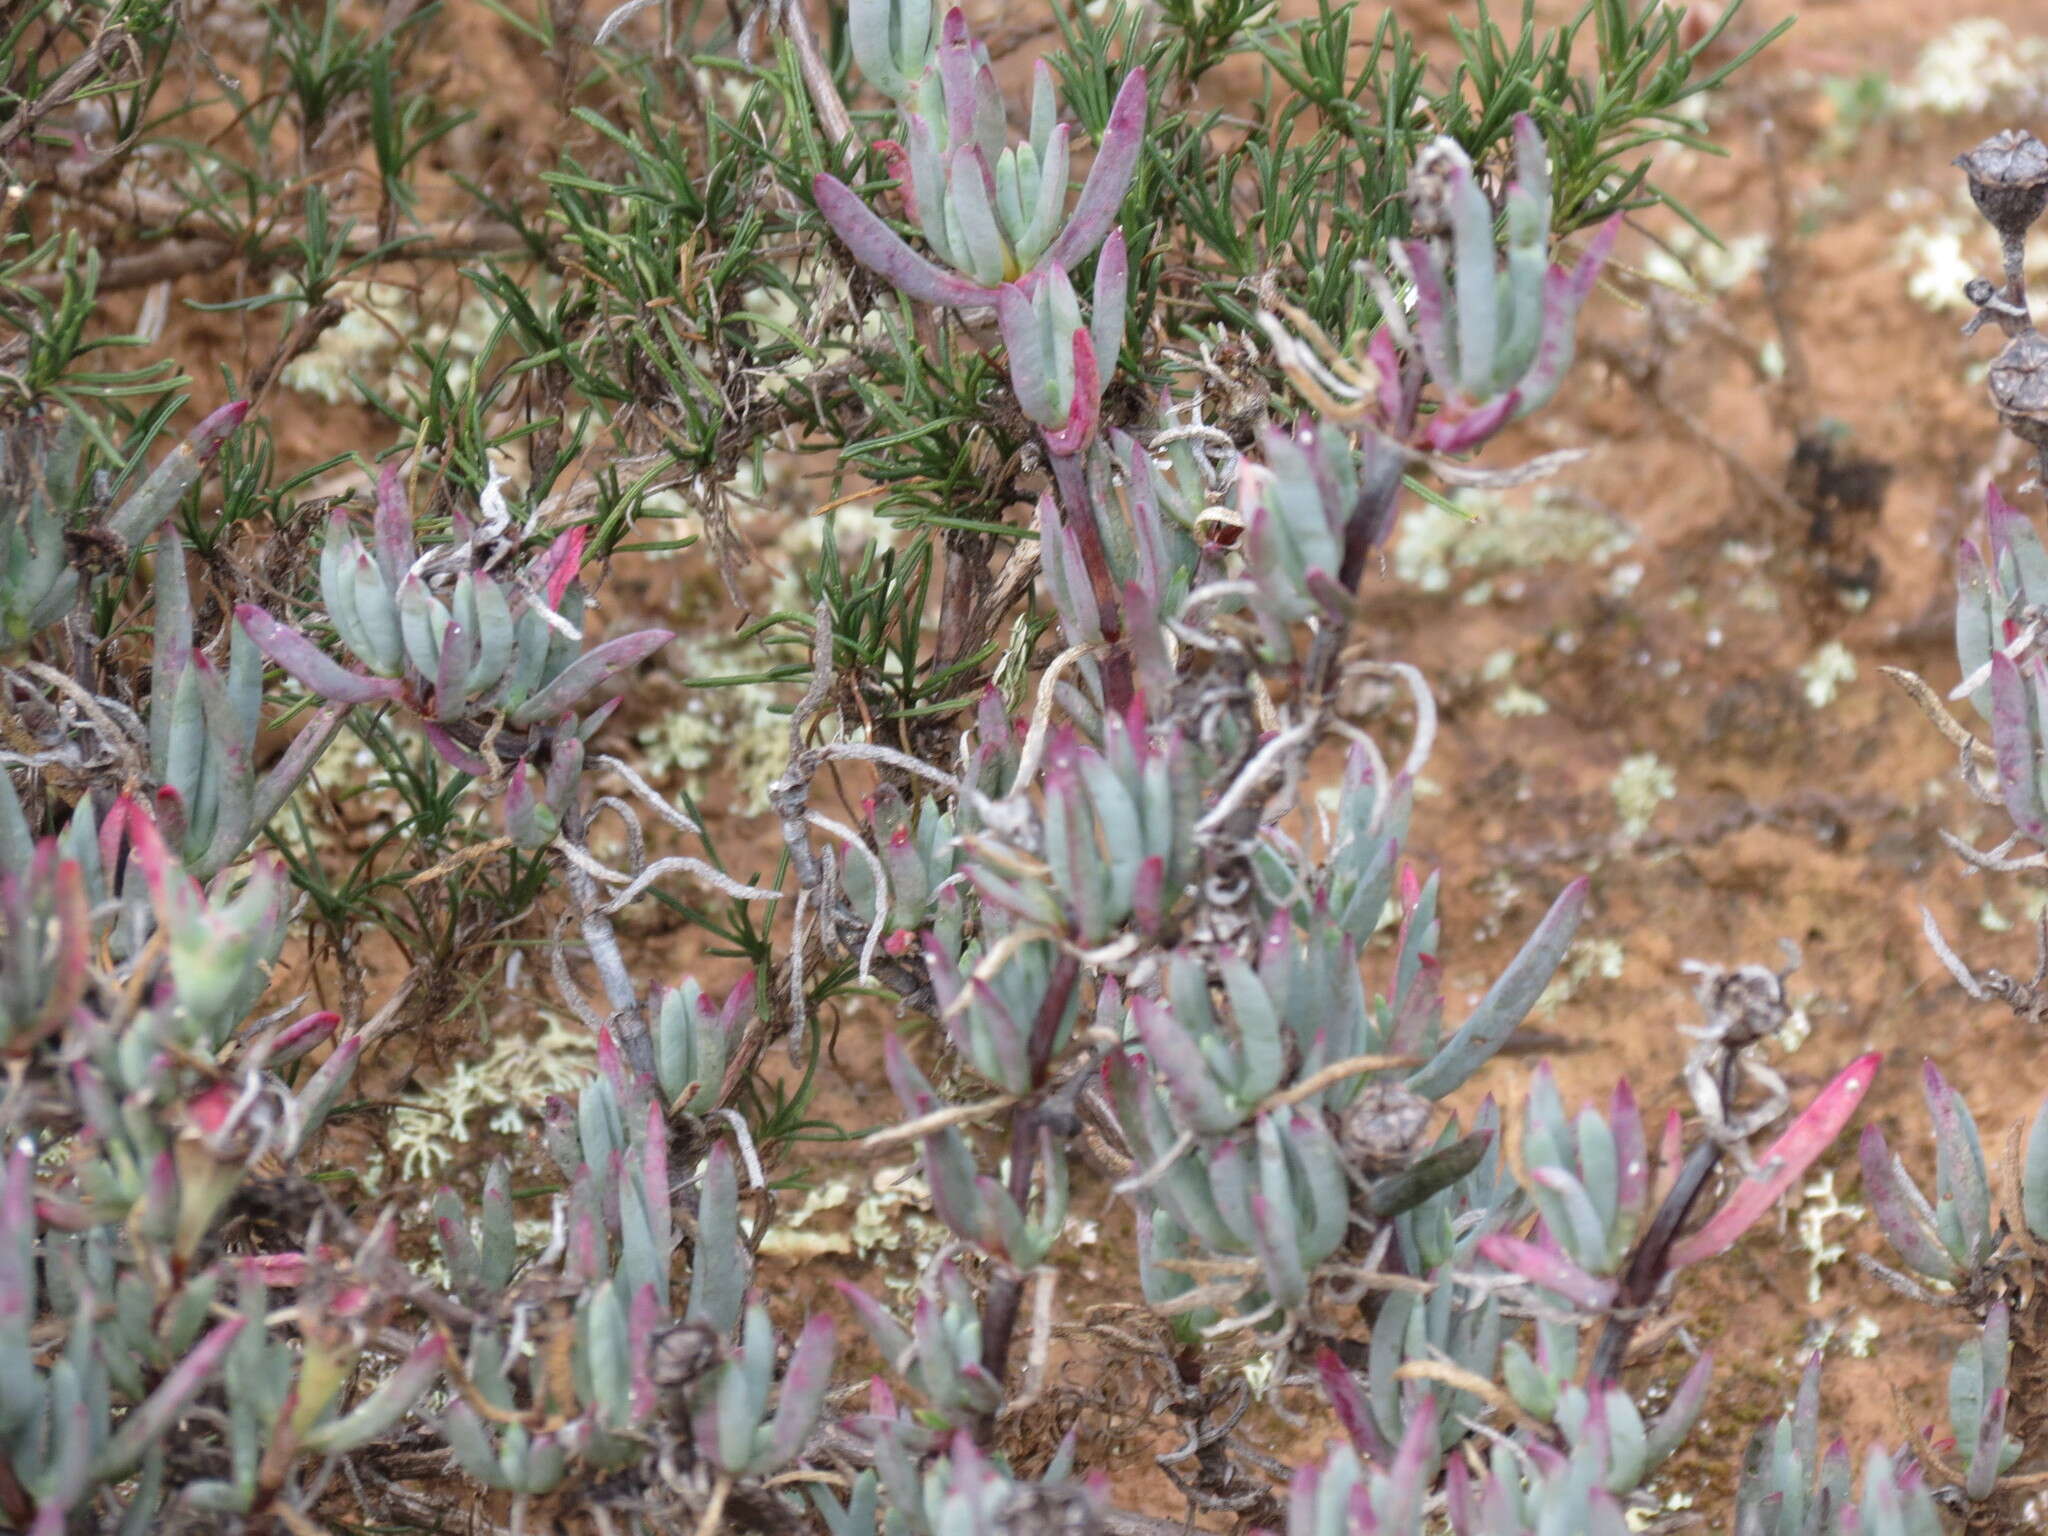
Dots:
pixel 2008 180
pixel 2019 387
pixel 1383 1127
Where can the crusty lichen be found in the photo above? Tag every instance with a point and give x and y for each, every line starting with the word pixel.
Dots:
pixel 741 731
pixel 507 1088
pixel 1506 531
pixel 1824 674
pixel 1642 784
pixel 374 344
pixel 1974 66
pixel 1819 1205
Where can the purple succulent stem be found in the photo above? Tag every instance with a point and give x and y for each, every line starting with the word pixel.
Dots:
pixel 1029 377
pixel 956 75
pixel 393 532
pixel 148 1424
pixel 1676 1421
pixel 1006 1287
pixel 1549 1269
pixel 1955 1139
pixel 1563 293
pixel 1632 1153
pixel 1085 410
pixel 1474 427
pixel 1351 1408
pixel 452 752
pixel 587 672
pixel 1077 506
pixel 804 1386
pixel 1884 1188
pixel 2012 743
pixel 309 664
pixel 891 1337
pixel 310 741
pixel 1656 1251
pixel 1983 1473
pixel 875 246
pixel 294 1040
pixel 1109 178
pixel 153 499
pixel 1787 1160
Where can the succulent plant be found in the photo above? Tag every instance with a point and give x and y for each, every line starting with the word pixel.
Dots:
pixel 1788 1486
pixel 1954 1235
pixel 991 1019
pixel 453 643
pixel 1978 1401
pixel 220 942
pixel 915 847
pixel 1115 837
pixel 536 799
pixel 979 1209
pixel 2034 1177
pixel 1556 1492
pixel 1058 365
pixel 1380 1496
pixel 991 211
pixel 893 42
pixel 282 1400
pixel 41 461
pixel 1497 331
pixel 204 727
pixel 736 1431
pixel 1131 914
pixel 940 1353
pixel 1302 509
pixel 695 1039
pixel 958 1491
pixel 1590 1178
pixel 45 934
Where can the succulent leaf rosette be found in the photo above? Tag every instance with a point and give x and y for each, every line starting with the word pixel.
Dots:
pixel 477 658
pixel 992 212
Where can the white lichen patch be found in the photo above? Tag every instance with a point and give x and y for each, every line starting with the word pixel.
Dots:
pixel 1516 702
pixel 1861 1336
pixel 734 729
pixel 794 1237
pixel 505 1089
pixel 377 342
pixel 1639 787
pixel 1822 677
pixel 1513 530
pixel 734 736
pixel 1818 1206
pixel 1974 66
pixel 1795 1031
pixel 1757 596
pixel 1939 258
pixel 1748 556
pixel 1260 1372
pixel 890 1214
